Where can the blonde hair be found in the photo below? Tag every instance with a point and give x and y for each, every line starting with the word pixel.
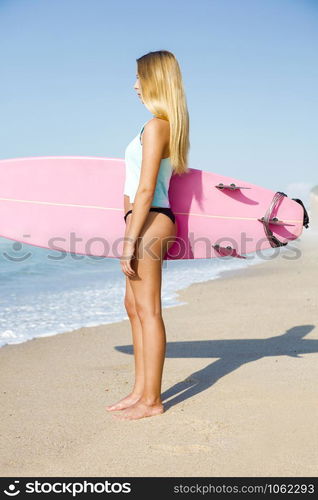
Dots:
pixel 163 94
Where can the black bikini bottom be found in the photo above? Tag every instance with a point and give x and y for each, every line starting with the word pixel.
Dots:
pixel 164 210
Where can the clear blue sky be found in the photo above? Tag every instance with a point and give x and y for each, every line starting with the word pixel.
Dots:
pixel 249 68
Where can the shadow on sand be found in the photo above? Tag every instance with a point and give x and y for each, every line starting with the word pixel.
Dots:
pixel 231 355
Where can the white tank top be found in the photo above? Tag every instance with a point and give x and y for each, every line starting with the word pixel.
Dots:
pixel 133 159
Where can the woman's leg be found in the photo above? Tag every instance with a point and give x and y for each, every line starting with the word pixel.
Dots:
pixel 156 237
pixel 138 352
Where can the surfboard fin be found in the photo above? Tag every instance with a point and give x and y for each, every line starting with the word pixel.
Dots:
pixel 275 221
pixel 232 186
pixel 228 250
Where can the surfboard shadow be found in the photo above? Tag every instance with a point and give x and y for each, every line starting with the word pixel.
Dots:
pixel 231 355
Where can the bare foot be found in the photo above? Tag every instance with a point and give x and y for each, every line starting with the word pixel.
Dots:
pixel 140 410
pixel 124 403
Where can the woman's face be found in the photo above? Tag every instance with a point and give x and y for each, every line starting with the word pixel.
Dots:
pixel 137 88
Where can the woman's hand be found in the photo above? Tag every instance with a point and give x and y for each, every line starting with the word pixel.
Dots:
pixel 125 259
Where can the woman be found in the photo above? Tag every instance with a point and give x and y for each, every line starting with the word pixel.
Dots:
pixel 158 151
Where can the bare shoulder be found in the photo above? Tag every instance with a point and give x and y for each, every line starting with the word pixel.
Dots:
pixel 157 126
pixel 157 129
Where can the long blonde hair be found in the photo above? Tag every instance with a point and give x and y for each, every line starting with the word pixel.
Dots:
pixel 163 94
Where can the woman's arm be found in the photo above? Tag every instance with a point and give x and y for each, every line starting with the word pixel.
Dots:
pixel 127 204
pixel 154 142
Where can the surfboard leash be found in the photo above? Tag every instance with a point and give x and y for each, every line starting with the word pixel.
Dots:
pixel 266 220
pixel 274 242
pixel 306 217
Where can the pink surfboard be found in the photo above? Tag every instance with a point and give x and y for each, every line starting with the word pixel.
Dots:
pixel 75 204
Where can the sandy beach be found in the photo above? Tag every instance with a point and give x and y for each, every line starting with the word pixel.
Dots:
pixel 239 387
